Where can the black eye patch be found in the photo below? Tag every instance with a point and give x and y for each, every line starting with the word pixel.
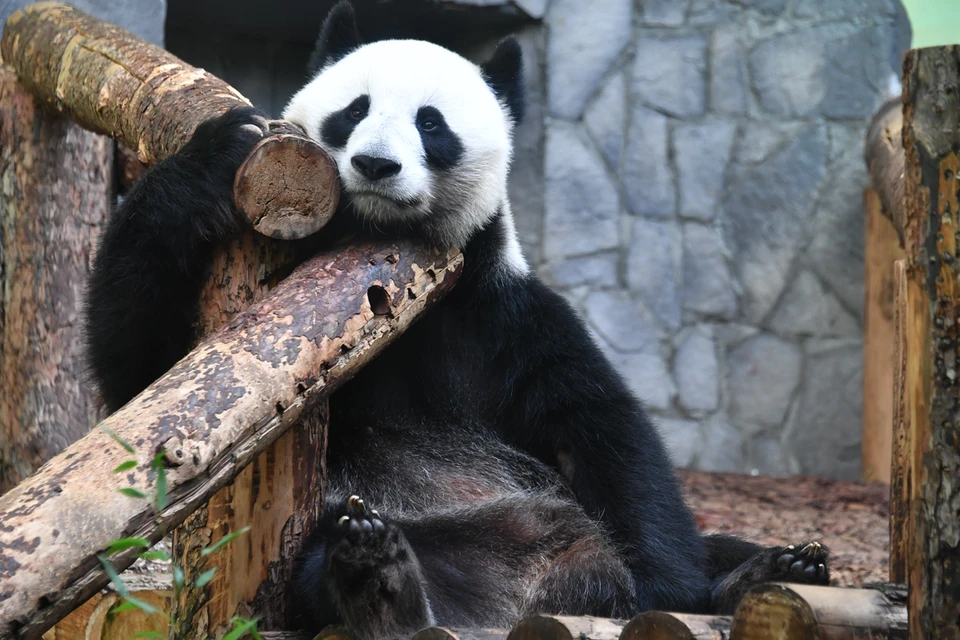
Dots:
pixel 338 126
pixel 442 146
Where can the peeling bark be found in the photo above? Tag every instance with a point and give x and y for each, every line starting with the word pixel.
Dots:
pixel 212 414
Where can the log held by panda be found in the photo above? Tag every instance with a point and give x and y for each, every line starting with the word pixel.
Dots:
pixel 110 81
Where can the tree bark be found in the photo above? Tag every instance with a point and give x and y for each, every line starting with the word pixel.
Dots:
pixel 931 141
pixel 801 612
pixel 212 415
pixel 907 383
pixel 110 81
pixel 56 191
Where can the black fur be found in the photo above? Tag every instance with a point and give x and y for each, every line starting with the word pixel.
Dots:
pixel 442 146
pixel 337 127
pixel 504 73
pixel 515 471
pixel 338 37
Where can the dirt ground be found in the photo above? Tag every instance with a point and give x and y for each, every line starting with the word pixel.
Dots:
pixel 850 519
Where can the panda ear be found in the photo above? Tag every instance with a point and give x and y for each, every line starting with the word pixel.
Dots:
pixel 338 37
pixel 504 73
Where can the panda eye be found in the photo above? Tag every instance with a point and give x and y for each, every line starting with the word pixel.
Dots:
pixel 428 125
pixel 356 113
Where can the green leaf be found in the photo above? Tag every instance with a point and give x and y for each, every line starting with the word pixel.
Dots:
pixel 124 466
pixel 130 492
pixel 146 607
pixel 241 627
pixel 161 498
pixel 153 635
pixel 156 554
pixel 123 443
pixel 118 584
pixel 127 543
pixel 222 541
pixel 178 579
pixel 123 606
pixel 204 578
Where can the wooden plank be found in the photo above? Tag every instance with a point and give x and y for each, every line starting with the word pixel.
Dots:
pixel 903 411
pixel 931 141
pixel 882 249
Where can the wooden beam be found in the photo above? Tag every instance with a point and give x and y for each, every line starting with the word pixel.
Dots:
pixel 802 612
pixel 931 141
pixel 212 414
pixel 56 192
pixel 882 249
pixel 112 82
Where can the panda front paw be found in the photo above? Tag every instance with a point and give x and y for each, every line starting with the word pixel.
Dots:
pixel 805 562
pixel 364 539
pixel 220 145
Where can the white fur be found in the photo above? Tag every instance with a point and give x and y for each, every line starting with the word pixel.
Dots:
pixel 400 76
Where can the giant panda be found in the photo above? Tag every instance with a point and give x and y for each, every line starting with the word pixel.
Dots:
pixel 489 464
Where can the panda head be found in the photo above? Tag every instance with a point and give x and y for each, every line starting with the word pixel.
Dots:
pixel 422 137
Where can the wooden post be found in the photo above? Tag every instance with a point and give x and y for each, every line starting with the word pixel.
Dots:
pixel 56 191
pixel 931 141
pixel 906 377
pixel 881 250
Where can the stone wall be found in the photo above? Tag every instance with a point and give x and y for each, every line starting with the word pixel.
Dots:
pixel 690 176
pixel 702 208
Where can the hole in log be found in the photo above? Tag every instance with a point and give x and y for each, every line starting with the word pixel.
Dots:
pixel 411 294
pixel 301 389
pixel 280 409
pixel 433 276
pixel 379 300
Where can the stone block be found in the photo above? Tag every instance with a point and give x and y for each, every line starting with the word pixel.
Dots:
pixel 669 73
pixel 582 45
pixel 701 151
pixel 653 269
pixel 763 372
pixel 728 76
pixel 810 309
pixel 606 119
pixel 582 206
pixel 696 371
pixel 708 287
pixel 682 438
pixel 647 179
pixel 723 447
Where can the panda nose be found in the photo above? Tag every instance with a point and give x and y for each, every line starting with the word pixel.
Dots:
pixel 375 168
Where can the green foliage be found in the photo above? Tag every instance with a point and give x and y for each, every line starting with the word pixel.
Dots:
pixel 239 627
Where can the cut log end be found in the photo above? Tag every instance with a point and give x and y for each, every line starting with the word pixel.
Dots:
pixel 657 625
pixel 288 188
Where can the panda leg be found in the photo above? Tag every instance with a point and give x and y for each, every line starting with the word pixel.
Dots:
pixel 737 566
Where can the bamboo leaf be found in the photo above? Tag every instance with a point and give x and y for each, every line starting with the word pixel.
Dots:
pixel 123 443
pixel 127 543
pixel 130 492
pixel 124 466
pixel 222 541
pixel 204 578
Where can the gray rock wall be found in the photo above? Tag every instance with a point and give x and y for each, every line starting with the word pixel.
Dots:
pixel 702 208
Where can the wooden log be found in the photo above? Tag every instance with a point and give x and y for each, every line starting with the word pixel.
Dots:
pixel 56 191
pixel 212 414
pixel 931 141
pixel 905 379
pixel 95 619
pixel 657 625
pixel 882 248
pixel 546 627
pixel 803 612
pixel 884 157
pixel 110 81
